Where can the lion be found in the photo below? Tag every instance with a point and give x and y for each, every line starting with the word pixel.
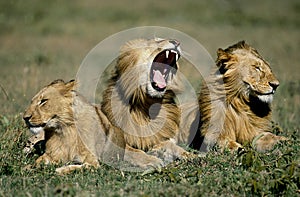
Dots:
pixel 74 130
pixel 235 101
pixel 140 100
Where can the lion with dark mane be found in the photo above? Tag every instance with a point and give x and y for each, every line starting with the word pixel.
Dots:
pixel 73 129
pixel 140 99
pixel 235 101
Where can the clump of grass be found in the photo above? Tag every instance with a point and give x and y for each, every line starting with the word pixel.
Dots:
pixel 247 172
pixel 276 172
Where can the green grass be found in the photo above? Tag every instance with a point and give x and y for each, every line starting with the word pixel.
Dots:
pixel 43 41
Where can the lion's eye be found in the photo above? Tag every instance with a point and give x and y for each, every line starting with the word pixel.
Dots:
pixel 43 101
pixel 258 68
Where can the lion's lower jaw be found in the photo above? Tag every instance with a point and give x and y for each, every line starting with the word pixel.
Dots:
pixel 154 93
pixel 36 130
pixel 266 98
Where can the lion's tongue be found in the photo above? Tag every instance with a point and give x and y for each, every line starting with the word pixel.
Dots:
pixel 159 79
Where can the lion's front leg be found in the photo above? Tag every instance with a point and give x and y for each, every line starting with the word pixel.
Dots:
pixel 70 168
pixel 45 159
pixel 33 141
pixel 266 141
pixel 168 151
pixel 230 145
pixel 141 159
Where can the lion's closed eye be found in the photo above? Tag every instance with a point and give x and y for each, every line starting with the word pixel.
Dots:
pixel 258 68
pixel 43 101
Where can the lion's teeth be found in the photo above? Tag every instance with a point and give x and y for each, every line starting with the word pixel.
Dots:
pixel 167 54
pixel 177 56
pixel 166 76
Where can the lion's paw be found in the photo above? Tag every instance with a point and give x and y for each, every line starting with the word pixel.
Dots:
pixel 32 142
pixel 68 169
pixel 142 160
pixel 266 141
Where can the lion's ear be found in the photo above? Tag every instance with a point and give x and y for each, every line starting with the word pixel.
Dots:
pixel 222 54
pixel 68 87
pixel 223 60
pixel 71 85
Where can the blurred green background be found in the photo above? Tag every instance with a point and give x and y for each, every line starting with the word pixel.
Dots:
pixel 45 40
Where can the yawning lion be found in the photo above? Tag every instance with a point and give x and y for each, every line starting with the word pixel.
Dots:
pixel 140 99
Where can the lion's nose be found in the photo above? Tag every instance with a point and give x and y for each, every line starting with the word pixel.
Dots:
pixel 274 84
pixel 175 42
pixel 27 118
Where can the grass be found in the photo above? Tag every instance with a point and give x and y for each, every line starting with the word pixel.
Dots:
pixel 43 41
pixel 244 173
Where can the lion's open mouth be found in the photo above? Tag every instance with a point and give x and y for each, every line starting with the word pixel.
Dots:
pixel 163 64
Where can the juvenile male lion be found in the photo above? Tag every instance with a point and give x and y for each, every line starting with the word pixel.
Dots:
pixel 235 102
pixel 74 130
pixel 140 100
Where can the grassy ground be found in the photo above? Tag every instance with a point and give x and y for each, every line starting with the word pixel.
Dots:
pixel 43 41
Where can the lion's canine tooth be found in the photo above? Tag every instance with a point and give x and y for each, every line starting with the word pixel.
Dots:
pixel 177 56
pixel 167 54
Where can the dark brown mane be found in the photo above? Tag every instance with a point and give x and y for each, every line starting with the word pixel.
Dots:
pixel 240 45
pixel 57 81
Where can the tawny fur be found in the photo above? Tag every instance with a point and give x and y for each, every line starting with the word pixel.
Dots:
pixel 75 130
pixel 235 100
pixel 148 120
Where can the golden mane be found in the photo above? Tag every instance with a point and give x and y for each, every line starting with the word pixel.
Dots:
pixel 235 100
pixel 132 103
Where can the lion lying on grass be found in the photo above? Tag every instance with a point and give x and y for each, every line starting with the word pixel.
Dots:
pixel 74 130
pixel 140 99
pixel 235 101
